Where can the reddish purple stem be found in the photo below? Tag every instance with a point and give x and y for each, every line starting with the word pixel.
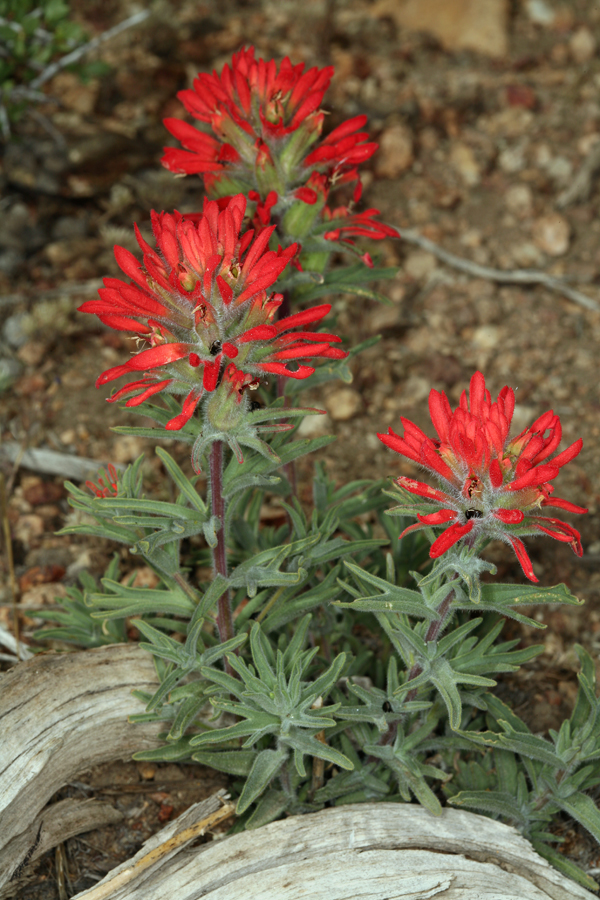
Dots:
pixel 224 616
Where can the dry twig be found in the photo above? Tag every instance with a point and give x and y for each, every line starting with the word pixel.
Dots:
pixel 581 187
pixel 51 462
pixel 503 276
pixel 70 58
pixel 142 862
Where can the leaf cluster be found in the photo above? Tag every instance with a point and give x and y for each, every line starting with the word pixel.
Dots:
pixel 358 671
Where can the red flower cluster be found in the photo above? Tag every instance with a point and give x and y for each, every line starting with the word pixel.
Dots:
pixel 258 113
pixel 343 224
pixel 265 123
pixel 100 488
pixel 200 303
pixel 493 486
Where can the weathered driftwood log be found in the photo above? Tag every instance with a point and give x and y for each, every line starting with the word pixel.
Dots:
pixel 56 823
pixel 59 715
pixel 371 851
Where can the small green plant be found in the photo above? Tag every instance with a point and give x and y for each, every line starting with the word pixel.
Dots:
pixel 347 653
pixel 32 35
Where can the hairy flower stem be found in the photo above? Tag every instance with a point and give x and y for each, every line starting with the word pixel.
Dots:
pixel 433 633
pixel 224 617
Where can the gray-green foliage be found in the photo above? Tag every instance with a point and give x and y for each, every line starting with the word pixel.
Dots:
pixel 33 33
pixel 356 673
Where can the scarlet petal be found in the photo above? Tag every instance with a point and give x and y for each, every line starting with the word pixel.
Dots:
pixel 560 531
pixel 438 518
pixel 558 503
pixel 122 323
pixel 211 374
pixel 189 407
pixel 395 442
pixel 568 454
pixel 441 413
pixel 130 265
pixel 315 314
pixel 133 386
pixel 509 516
pixel 279 369
pixel 307 195
pixel 225 291
pixel 449 538
pixel 538 475
pixel 259 333
pixel 496 476
pixel 416 527
pixel 304 352
pixel 158 356
pixel 149 392
pixel 431 458
pixel 419 487
pixel 519 548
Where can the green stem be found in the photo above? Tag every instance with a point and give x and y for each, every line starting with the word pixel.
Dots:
pixel 224 616
pixel 433 633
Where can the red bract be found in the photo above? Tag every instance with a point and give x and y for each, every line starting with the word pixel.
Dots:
pixel 264 120
pixel 200 302
pixel 102 488
pixel 309 217
pixel 343 224
pixel 493 487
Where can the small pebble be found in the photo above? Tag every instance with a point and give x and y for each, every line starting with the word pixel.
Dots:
pixel 551 233
pixel 343 404
pixel 395 153
pixel 463 160
pixel 582 45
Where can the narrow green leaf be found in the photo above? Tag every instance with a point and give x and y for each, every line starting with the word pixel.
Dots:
pixel 582 808
pixel 265 767
pixel 182 481
pixel 167 753
pixel 499 803
pixel 233 762
pixel 566 866
pixel 270 806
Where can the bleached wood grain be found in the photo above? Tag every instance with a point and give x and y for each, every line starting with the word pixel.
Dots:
pixel 59 715
pixel 368 851
pixel 56 823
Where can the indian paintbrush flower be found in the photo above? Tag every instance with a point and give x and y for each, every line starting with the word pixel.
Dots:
pixel 266 125
pixel 264 120
pixel 493 486
pixel 201 304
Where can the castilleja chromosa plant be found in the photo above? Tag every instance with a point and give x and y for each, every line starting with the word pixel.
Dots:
pixel 346 661
pixel 493 486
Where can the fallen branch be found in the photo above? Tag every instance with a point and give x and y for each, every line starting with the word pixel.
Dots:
pixel 70 58
pixel 7 640
pixel 55 824
pixel 503 276
pixel 581 187
pixel 60 714
pixel 194 823
pixel 367 850
pixel 51 462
